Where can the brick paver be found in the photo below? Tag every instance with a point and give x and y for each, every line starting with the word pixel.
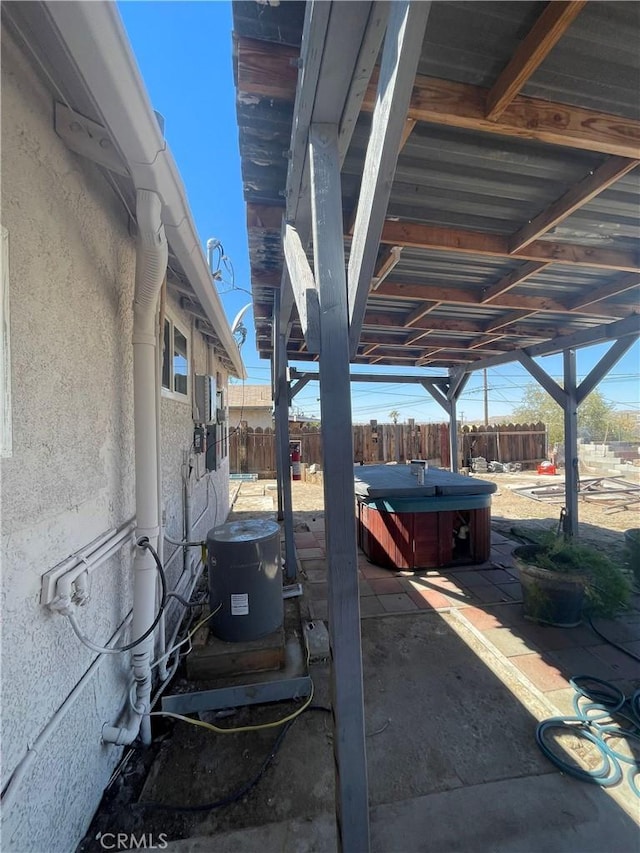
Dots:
pixel 545 676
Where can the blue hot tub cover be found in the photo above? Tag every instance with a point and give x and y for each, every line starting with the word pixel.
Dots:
pixel 397 481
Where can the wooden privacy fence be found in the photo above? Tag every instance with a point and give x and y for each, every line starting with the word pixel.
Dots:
pixel 526 443
pixel 252 451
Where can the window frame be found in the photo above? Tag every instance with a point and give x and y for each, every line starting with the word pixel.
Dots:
pixel 171 393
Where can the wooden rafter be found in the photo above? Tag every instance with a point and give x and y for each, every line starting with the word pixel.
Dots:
pixel 534 48
pixel 422 236
pixel 264 69
pixel 401 53
pixel 576 197
pixel 375 320
pixel 421 311
pixel 463 296
pixel 483 341
pixel 614 288
pixel 507 320
pixel 418 235
pixel 518 276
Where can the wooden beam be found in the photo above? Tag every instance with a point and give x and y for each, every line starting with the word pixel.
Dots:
pixel 385 265
pixel 304 287
pixel 417 235
pixel 604 366
pixel 463 105
pixel 407 130
pixel 487 339
pixel 351 785
pixel 535 47
pixel 507 320
pixel 460 296
pixel 513 278
pixel 434 237
pixel 420 312
pixel 590 297
pixel 436 324
pixel 265 71
pixel 369 349
pixel 400 56
pixel 542 377
pixel 576 197
pixel 565 339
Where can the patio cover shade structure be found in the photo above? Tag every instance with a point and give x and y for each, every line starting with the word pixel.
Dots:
pixel 446 185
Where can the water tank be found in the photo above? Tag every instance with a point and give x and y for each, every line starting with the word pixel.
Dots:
pixel 245 580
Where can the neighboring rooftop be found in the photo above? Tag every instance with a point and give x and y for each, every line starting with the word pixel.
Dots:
pixel 250 397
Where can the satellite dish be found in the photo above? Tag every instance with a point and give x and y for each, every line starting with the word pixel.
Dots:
pixel 238 320
pixel 238 329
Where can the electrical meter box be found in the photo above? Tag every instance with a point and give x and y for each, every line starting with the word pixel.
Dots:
pixel 205 399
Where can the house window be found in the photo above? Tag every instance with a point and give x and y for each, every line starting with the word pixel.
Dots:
pixel 5 357
pixel 175 360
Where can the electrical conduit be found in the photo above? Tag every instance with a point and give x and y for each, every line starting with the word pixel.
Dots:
pixel 151 265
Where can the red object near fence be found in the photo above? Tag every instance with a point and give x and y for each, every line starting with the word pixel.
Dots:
pixel 296 473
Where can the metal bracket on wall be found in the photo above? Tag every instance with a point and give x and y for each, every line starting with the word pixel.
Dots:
pixel 88 138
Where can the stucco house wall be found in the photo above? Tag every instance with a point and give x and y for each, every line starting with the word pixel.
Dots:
pixel 70 477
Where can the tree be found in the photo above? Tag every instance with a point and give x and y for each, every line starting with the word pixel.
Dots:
pixel 596 417
pixel 394 415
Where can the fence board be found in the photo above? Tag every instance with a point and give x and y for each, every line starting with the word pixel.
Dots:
pixel 252 451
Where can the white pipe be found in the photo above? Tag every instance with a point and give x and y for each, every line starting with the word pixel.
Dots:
pixel 161 644
pixel 90 560
pixel 35 749
pixel 151 265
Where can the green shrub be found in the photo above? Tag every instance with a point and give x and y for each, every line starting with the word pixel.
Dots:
pixel 607 585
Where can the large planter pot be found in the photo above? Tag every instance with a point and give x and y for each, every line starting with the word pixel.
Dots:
pixel 551 598
pixel 632 543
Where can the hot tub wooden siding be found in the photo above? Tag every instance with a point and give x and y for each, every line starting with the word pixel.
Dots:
pixel 421 540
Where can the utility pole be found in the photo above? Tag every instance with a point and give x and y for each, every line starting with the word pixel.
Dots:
pixel 486 398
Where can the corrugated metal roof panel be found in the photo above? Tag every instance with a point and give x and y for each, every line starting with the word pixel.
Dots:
pixel 596 64
pixel 468 180
pixel 471 42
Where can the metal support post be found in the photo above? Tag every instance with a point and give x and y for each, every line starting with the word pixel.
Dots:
pixel 571 476
pixel 453 435
pixel 351 785
pixel 282 440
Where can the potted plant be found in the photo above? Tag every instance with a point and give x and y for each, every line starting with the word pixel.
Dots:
pixel 562 578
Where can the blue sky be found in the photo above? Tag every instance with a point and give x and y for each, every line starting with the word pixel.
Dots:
pixel 184 53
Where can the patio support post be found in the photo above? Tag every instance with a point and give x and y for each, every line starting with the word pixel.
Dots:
pixel 279 466
pixel 570 443
pixel 282 439
pixel 351 785
pixel 453 435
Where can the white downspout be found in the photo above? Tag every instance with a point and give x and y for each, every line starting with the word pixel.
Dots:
pixel 151 266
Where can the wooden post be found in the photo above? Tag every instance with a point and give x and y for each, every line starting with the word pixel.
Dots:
pixel 351 785
pixel 571 478
pixel 282 445
pixel 453 435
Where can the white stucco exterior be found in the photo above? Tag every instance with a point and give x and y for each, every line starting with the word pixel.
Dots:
pixel 70 477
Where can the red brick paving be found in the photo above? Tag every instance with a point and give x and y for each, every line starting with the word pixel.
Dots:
pixel 385 586
pixel 545 655
pixel 543 675
pixel 370 572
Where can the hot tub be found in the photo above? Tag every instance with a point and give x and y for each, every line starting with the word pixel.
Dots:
pixel 404 525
